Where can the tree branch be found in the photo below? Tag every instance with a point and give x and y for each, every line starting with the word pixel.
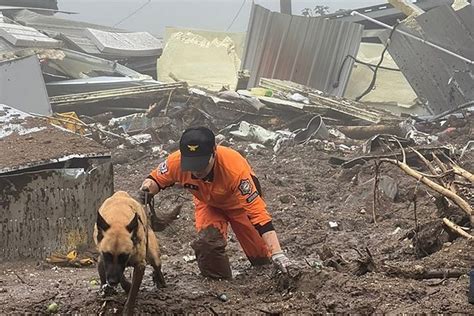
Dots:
pixel 435 186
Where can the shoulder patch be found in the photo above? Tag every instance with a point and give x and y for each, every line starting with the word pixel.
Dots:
pixel 245 186
pixel 163 167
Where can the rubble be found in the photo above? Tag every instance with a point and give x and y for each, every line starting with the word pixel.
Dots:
pixel 369 201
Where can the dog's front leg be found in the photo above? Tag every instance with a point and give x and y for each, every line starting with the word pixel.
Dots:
pixel 101 269
pixel 137 278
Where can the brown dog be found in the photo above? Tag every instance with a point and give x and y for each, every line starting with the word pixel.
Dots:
pixel 124 238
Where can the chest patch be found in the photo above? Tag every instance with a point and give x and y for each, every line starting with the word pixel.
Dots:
pixel 163 167
pixel 191 186
pixel 245 186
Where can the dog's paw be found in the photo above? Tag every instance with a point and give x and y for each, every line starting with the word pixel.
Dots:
pixel 159 279
pixel 107 290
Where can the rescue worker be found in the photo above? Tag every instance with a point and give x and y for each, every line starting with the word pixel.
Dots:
pixel 226 191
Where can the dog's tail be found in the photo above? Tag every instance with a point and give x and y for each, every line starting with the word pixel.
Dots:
pixel 161 220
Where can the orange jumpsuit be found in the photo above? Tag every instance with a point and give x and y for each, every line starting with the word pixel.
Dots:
pixel 229 194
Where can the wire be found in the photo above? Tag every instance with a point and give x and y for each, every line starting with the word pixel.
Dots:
pixel 236 15
pixel 374 78
pixel 453 110
pixel 371 67
pixel 133 13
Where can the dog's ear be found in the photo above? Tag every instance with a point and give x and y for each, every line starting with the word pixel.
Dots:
pixel 133 225
pixel 102 227
pixel 101 223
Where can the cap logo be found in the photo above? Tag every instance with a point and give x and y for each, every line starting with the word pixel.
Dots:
pixel 193 147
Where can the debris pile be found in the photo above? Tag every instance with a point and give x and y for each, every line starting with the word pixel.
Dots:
pixel 372 200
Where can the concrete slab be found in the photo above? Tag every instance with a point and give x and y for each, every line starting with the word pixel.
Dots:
pixel 25 36
pixel 126 44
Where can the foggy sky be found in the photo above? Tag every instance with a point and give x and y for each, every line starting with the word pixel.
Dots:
pixel 202 14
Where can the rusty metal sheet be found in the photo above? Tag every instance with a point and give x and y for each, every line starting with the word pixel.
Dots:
pixel 48 211
pixel 310 51
pixel 30 142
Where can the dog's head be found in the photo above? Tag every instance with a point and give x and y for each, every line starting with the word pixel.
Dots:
pixel 116 245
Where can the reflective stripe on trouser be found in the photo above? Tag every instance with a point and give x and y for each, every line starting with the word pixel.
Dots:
pixel 210 220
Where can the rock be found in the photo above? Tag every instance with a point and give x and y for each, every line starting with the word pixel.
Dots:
pixel 285 199
pixel 223 297
pixel 333 225
pixel 53 308
pixel 189 258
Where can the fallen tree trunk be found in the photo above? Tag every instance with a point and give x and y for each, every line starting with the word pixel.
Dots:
pixel 365 132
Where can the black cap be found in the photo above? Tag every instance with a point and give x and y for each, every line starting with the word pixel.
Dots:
pixel 196 146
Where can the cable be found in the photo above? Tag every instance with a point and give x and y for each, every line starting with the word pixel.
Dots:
pixel 374 78
pixel 453 110
pixel 132 14
pixel 371 67
pixel 235 17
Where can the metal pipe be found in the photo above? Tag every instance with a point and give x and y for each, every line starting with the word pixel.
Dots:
pixel 414 37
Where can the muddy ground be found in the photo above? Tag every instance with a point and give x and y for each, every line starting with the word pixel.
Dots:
pixel 333 271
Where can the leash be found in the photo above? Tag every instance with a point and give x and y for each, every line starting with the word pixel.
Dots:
pixel 150 207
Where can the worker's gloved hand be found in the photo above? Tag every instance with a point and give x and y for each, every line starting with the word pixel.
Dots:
pixel 281 261
pixel 144 195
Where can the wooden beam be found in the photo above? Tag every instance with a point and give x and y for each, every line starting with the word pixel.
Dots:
pixel 408 8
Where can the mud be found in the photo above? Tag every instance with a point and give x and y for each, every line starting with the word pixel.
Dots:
pixel 345 267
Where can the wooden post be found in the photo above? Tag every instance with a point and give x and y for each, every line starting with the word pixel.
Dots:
pixel 285 6
pixel 408 8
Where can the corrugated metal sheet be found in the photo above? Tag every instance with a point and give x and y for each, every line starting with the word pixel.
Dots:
pixel 309 51
pixel 438 78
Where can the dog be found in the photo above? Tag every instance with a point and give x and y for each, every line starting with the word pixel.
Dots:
pixel 124 238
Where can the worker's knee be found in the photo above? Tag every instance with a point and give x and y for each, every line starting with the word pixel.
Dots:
pixel 210 253
pixel 209 239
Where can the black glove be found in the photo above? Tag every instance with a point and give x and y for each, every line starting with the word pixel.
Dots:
pixel 144 196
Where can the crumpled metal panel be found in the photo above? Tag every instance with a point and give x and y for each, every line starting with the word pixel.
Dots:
pixel 50 211
pixel 308 51
pixel 6 47
pixel 20 74
pixel 442 80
